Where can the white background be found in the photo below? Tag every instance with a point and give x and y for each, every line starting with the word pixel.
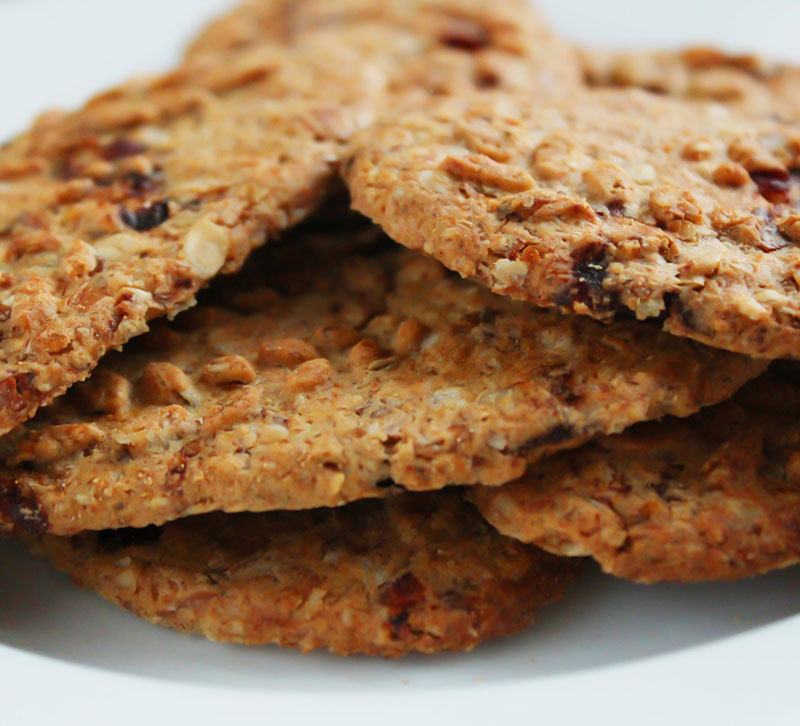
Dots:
pixel 611 652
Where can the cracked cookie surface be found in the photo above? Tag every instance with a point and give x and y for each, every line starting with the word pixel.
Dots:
pixel 746 82
pixel 608 203
pixel 712 497
pixel 415 573
pixel 316 377
pixel 119 212
pixel 439 47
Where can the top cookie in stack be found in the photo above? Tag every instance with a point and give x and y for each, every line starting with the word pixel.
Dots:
pixel 604 203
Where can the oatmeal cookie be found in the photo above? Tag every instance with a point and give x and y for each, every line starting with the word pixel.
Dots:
pixel 119 212
pixel 319 383
pixel 609 203
pixel 746 82
pixel 711 497
pixel 440 47
pixel 415 573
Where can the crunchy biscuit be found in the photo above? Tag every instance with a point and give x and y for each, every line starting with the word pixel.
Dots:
pixel 711 497
pixel 441 47
pixel 337 376
pixel 412 573
pixel 119 212
pixel 746 82
pixel 606 203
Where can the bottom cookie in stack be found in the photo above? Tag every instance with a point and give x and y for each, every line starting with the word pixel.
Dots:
pixel 416 572
pixel 712 497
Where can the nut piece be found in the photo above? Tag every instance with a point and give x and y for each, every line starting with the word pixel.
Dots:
pixel 486 172
pixel 408 336
pixel 364 353
pixel 510 273
pixel 228 369
pixel 335 337
pixel 121 245
pixel 286 352
pixel 730 174
pixel 59 442
pixel 789 227
pixel 667 207
pixel 698 150
pixel 105 392
pixel 162 383
pixel 206 247
pixel 309 375
pixel 606 182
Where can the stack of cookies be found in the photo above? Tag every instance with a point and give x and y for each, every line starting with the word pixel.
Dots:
pixel 235 407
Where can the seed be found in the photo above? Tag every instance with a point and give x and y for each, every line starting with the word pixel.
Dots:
pixel 286 352
pixel 309 375
pixel 206 247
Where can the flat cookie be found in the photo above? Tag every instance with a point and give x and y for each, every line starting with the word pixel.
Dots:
pixel 605 204
pixel 746 82
pixel 341 375
pixel 443 47
pixel 711 497
pixel 119 212
pixel 415 573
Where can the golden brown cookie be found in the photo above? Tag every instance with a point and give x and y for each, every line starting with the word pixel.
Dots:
pixel 318 377
pixel 607 203
pixel 746 82
pixel 711 497
pixel 444 47
pixel 119 212
pixel 412 573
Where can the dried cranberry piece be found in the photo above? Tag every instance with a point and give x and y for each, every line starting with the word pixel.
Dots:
pixel 140 183
pixel 616 207
pixel 146 217
pixel 402 594
pixel 10 398
pixel 121 147
pixel 20 510
pixel 465 35
pixel 773 184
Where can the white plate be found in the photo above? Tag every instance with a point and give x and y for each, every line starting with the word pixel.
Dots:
pixel 611 652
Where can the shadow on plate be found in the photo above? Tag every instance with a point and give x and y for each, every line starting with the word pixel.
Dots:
pixel 601 622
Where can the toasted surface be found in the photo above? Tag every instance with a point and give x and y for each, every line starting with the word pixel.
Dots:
pixel 603 204
pixel 412 573
pixel 746 82
pixel 712 497
pixel 313 378
pixel 119 212
pixel 444 47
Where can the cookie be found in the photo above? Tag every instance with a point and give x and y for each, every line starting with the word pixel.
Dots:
pixel 415 573
pixel 316 378
pixel 440 47
pixel 610 204
pixel 746 82
pixel 711 497
pixel 119 212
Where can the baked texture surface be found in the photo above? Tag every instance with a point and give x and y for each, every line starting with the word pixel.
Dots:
pixel 119 212
pixel 420 573
pixel 608 203
pixel 318 376
pixel 746 82
pixel 712 497
pixel 439 47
